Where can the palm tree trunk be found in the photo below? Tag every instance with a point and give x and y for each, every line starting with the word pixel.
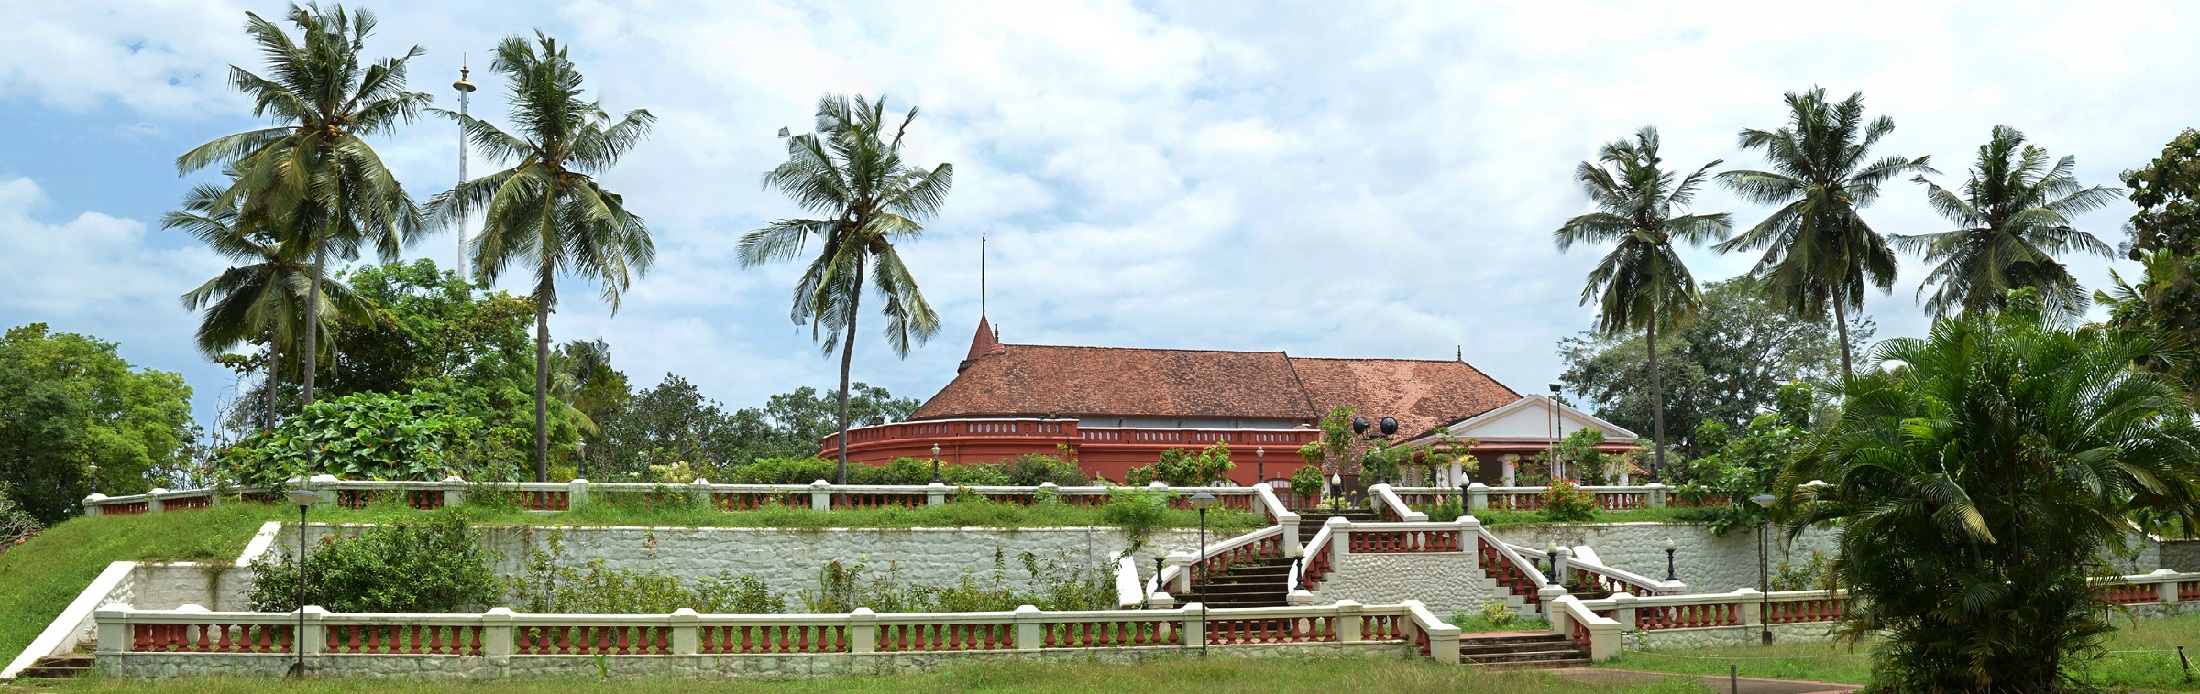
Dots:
pixel 1657 406
pixel 313 324
pixel 1841 324
pixel 543 293
pixel 847 357
pixel 274 361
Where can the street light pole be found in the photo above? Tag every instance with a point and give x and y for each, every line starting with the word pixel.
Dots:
pixel 304 498
pixel 1764 576
pixel 935 463
pixel 1260 469
pixel 1669 560
pixel 1201 501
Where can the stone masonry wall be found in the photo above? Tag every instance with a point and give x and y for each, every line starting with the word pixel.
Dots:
pixel 1445 582
pixel 1707 563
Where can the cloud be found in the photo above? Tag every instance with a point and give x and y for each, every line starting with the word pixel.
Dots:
pixel 97 274
pixel 1330 179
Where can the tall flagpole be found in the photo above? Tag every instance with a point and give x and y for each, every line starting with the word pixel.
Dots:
pixel 465 90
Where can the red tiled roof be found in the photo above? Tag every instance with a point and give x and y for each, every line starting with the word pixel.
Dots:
pixel 1042 380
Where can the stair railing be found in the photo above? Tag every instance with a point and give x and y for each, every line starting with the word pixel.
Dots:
pixel 1265 498
pixel 1393 508
pixel 1595 633
pixel 1510 566
pixel 1183 569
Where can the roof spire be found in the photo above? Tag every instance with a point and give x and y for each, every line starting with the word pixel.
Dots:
pixel 1462 355
pixel 981 276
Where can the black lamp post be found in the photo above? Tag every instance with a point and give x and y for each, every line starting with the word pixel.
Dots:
pixel 1336 493
pixel 1202 501
pixel 935 463
pixel 1669 560
pixel 304 498
pixel 1260 468
pixel 1463 511
pixel 1384 429
pixel 1764 580
pixel 1550 555
pixel 91 472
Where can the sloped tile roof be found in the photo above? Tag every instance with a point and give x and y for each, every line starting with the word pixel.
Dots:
pixel 1042 380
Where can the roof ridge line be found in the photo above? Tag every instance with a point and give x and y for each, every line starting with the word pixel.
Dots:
pixel 1303 392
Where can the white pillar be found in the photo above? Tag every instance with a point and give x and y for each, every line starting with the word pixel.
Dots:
pixel 152 500
pixel 1348 621
pixel 1340 531
pixel 863 631
pixel 454 491
pixel 576 493
pixel 821 496
pixel 1512 469
pixel 1478 497
pixel 1030 634
pixel 496 632
pixel 1195 624
pixel 315 636
pixel 1458 474
pixel 935 494
pixel 685 627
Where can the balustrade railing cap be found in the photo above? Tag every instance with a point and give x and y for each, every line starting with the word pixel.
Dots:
pixel 96 496
pixel 821 484
pixel 158 490
pixel 321 478
pixel 453 478
pixel 701 482
pixel 2158 572
pixel 1477 485
pixel 1337 522
pixel 1469 522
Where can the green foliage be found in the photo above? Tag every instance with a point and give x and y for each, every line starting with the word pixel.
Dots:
pixel 1815 574
pixel 673 422
pixel 1025 470
pixel 1725 365
pixel 1981 484
pixel 68 402
pixel 1050 584
pixel 16 527
pixel 1566 502
pixel 368 436
pixel 1381 461
pixel 549 583
pixel 1739 468
pixel 430 563
pixel 2164 301
pixel 1184 468
pixel 2013 217
pixel 1307 481
pixel 1138 511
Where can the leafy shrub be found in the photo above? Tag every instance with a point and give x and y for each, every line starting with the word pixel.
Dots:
pixel 1816 574
pixel 787 471
pixel 1564 501
pixel 1138 511
pixel 1497 613
pixel 1179 467
pixel 1307 481
pixel 15 525
pixel 363 436
pixel 974 475
pixel 548 583
pixel 1052 585
pixel 428 563
pixel 1033 469
pixel 1737 469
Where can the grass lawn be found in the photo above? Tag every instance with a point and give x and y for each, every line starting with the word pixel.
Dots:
pixel 1210 676
pixel 38 578
pixel 2141 655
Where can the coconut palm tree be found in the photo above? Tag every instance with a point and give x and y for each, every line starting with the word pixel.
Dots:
pixel 1818 250
pixel 547 213
pixel 1981 483
pixel 2014 218
pixel 1642 284
pixel 852 175
pixel 262 299
pixel 312 177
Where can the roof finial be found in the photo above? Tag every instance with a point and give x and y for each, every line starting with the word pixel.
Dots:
pixel 1462 356
pixel 981 275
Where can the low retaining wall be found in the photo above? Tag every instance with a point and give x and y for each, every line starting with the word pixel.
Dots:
pixel 1708 563
pixel 792 666
pixel 1711 637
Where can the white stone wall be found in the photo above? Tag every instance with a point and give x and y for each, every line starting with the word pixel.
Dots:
pixel 789 558
pixel 1444 581
pixel 1706 562
pixel 166 665
pixel 216 586
pixel 1709 637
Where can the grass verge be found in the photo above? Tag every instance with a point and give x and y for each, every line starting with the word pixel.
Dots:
pixel 1208 676
pixel 2141 655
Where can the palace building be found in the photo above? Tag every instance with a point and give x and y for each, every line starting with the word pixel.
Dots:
pixel 1113 408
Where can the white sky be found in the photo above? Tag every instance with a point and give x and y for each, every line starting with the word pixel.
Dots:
pixel 1331 179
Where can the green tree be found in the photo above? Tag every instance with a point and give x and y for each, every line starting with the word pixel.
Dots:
pixel 2014 217
pixel 1642 284
pixel 1980 485
pixel 1818 250
pixel 313 176
pixel 2164 301
pixel 1726 365
pixel 547 212
pixel 262 300
pixel 68 402
pixel 853 174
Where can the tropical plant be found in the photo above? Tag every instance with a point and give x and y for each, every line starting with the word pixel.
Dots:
pixel 1728 364
pixel 1981 484
pixel 68 404
pixel 1332 449
pixel 2014 216
pixel 312 178
pixel 1642 284
pixel 547 212
pixel 415 564
pixel 1564 501
pixel 1179 467
pixel 418 436
pixel 262 300
pixel 1307 482
pixel 853 174
pixel 1735 468
pixel 1818 252
pixel 2163 302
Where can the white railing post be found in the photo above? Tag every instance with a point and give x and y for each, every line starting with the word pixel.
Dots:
pixel 1549 595
pixel 1478 497
pixel 1181 584
pixel 1562 565
pixel 1348 621
pixel 315 637
pixel 1512 466
pixel 91 504
pixel 1443 639
pixel 114 628
pixel 323 484
pixel 1623 610
pixel 454 491
pixel 1195 623
pixel 863 631
pixel 152 500
pixel 699 492
pixel 1340 534
pixel 2166 584
pixel 496 632
pixel 935 494
pixel 821 496
pixel 686 636
pixel 576 493
pixel 1291 546
pixel 1030 632
pixel 1656 492
pixel 1753 603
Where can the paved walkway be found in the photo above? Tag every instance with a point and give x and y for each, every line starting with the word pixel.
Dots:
pixel 1717 683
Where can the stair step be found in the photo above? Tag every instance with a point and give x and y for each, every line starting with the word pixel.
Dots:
pixel 1519 656
pixel 1512 637
pixel 1542 665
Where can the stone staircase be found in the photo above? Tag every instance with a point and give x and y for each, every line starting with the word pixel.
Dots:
pixel 1310 521
pixel 1507 651
pixel 1246 585
pixel 58 667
